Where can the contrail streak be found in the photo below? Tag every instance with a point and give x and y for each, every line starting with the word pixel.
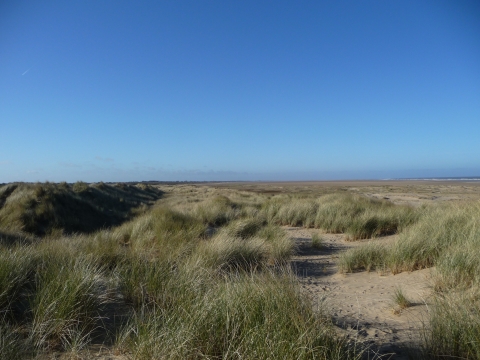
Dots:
pixel 26 72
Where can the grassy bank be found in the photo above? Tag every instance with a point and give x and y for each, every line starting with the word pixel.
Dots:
pixel 199 276
pixel 52 209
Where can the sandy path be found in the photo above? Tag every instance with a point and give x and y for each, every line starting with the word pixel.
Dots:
pixel 361 303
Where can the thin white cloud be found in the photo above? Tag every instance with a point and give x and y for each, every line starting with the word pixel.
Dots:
pixel 26 71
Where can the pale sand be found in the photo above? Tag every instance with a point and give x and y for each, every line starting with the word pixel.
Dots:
pixel 361 304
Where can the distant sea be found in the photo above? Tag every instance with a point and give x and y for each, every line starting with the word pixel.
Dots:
pixel 459 178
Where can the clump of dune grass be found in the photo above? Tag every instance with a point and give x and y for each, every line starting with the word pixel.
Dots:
pixel 453 330
pixel 362 218
pixel 249 316
pixel 161 233
pixel 216 211
pixel 106 248
pixel 372 255
pixel 441 237
pixel 66 303
pixel 244 228
pixel 355 215
pixel 447 236
pixel 459 267
pixel 400 299
pixel 279 245
pixel 317 241
pixel 247 243
pixel 155 283
pixel 16 270
pixel 292 212
pixel 80 187
pixel 224 252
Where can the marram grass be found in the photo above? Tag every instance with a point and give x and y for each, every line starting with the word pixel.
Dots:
pixel 244 316
pixel 173 281
pixel 204 274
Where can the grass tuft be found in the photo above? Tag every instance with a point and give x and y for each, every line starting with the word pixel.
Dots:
pixel 367 257
pixel 66 304
pixel 400 299
pixel 453 330
pixel 317 241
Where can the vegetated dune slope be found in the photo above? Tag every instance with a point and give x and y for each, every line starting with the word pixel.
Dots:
pixel 43 208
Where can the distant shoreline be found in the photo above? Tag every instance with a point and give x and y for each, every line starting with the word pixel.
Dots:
pixel 460 178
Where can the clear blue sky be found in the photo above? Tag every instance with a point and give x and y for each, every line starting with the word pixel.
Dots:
pixel 238 90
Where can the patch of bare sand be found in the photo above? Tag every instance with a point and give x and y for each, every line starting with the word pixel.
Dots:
pixel 362 303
